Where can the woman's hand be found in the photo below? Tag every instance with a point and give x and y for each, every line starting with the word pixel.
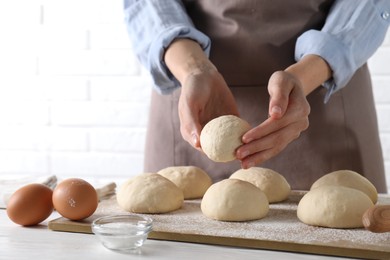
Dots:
pixel 288 110
pixel 288 117
pixel 204 93
pixel 204 96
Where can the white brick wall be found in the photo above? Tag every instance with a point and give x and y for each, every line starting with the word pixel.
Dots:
pixel 73 98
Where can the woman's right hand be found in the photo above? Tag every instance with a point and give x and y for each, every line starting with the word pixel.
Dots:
pixel 204 93
pixel 204 96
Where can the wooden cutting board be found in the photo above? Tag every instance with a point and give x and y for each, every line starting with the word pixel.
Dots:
pixel 279 230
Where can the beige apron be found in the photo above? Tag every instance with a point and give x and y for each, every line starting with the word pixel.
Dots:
pixel 250 40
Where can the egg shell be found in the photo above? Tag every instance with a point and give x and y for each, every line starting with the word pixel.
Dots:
pixel 75 199
pixel 30 204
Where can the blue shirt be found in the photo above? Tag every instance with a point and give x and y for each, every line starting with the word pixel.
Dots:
pixel 353 31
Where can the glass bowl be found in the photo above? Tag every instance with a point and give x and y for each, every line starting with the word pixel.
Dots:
pixel 123 233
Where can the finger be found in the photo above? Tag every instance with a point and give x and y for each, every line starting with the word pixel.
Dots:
pixel 276 143
pixel 271 125
pixel 191 133
pixel 189 126
pixel 261 156
pixel 263 149
pixel 258 158
pixel 255 146
pixel 279 88
pixel 265 128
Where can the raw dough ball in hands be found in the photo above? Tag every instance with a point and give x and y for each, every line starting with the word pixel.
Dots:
pixel 221 137
pixel 349 179
pixel 334 207
pixel 149 193
pixel 192 180
pixel 273 184
pixel 234 200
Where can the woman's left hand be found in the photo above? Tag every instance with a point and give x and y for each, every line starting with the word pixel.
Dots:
pixel 288 117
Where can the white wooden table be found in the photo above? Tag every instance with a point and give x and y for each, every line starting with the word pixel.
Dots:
pixel 35 243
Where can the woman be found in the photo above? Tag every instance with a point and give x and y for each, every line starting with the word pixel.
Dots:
pixel 273 63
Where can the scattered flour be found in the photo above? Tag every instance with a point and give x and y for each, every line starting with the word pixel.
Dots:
pixel 280 225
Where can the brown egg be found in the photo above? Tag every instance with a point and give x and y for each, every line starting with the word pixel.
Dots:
pixel 30 205
pixel 75 199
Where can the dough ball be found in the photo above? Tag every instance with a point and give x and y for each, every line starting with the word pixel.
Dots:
pixel 334 207
pixel 273 184
pixel 149 193
pixel 234 200
pixel 349 179
pixel 222 136
pixel 192 180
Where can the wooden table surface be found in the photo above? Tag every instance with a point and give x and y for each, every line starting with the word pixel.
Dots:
pixel 39 242
pixel 279 230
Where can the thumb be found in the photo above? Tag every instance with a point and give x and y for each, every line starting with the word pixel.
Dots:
pixel 190 127
pixel 279 90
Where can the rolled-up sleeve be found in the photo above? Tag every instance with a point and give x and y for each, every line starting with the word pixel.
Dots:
pixel 352 33
pixel 152 25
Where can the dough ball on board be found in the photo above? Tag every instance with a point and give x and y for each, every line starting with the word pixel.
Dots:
pixel 273 184
pixel 149 193
pixel 349 179
pixel 334 207
pixel 222 136
pixel 193 181
pixel 234 200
